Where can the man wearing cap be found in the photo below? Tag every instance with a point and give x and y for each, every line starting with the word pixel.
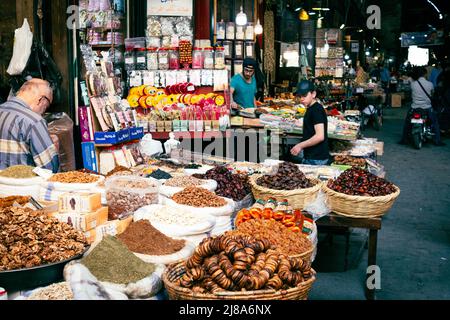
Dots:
pixel 243 86
pixel 315 125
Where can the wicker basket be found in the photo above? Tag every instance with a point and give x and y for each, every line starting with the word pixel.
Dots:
pixel 297 198
pixel 175 292
pixel 306 256
pixel 359 206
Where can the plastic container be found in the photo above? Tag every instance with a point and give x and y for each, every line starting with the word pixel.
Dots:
pixel 152 59
pixel 250 32
pixel 249 49
pixel 230 31
pixel 163 59
pixel 197 58
pixel 174 59
pixel 220 32
pixel 126 194
pixel 130 60
pixel 219 58
pixel 239 49
pixel 228 49
pixel 238 66
pixel 141 59
pixel 208 58
pixel 240 33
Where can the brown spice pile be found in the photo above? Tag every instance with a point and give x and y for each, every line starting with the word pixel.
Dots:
pixel 287 241
pixel 142 237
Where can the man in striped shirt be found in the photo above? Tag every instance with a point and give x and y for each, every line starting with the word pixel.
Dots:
pixel 24 136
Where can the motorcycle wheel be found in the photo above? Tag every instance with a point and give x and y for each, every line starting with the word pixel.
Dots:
pixel 417 140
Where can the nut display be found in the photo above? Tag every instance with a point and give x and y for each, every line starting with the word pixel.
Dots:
pixel 287 177
pixel 185 52
pixel 284 239
pixel 9 201
pixel 74 177
pixel 198 197
pixel 350 161
pixel 127 194
pixel 56 291
pixel 234 186
pixel 30 238
pixel 358 182
pixel 177 217
pixel 241 263
pixel 183 182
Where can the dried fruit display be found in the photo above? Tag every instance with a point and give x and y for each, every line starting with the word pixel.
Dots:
pixel 30 238
pixel 74 177
pixel 240 263
pixel 185 52
pixel 198 197
pixel 358 182
pixel 287 177
pixel 350 161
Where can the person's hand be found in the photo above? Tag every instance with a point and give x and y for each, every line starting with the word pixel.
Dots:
pixel 55 140
pixel 295 151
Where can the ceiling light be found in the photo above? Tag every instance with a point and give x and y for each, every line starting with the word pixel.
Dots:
pixel 312 13
pixel 258 28
pixel 391 60
pixel 360 30
pixel 441 16
pixel 342 26
pixel 367 53
pixel 321 9
pixel 303 15
pixel 241 18
pixel 298 9
pixel 309 46
pixel 346 57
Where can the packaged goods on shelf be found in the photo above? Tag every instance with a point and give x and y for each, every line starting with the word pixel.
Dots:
pixel 84 221
pixel 79 202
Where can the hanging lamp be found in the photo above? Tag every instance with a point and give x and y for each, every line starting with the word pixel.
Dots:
pixel 241 18
pixel 258 28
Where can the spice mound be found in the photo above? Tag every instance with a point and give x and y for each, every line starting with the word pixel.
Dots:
pixel 111 261
pixel 183 182
pixel 18 172
pixel 284 239
pixel 57 291
pixel 241 263
pixel 142 237
pixel 198 197
pixel 30 238
pixel 287 177
pixel 74 177
pixel 357 182
pixel 234 186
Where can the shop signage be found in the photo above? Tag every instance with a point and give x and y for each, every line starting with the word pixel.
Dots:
pixel 429 38
pixel 170 8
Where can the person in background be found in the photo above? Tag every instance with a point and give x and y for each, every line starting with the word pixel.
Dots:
pixel 434 74
pixel 315 126
pixel 243 86
pixel 421 90
pixel 24 137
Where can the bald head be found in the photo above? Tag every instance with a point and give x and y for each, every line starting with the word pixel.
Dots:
pixel 37 93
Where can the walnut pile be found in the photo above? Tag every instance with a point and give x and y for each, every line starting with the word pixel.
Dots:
pixel 30 238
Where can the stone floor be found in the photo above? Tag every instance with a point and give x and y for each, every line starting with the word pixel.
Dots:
pixel 414 242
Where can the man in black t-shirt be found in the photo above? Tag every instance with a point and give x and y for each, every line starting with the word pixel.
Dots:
pixel 315 125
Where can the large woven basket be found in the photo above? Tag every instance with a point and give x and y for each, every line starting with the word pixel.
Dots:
pixel 175 292
pixel 359 206
pixel 297 198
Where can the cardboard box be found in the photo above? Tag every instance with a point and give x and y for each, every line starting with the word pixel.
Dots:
pixel 160 126
pixel 168 126
pixel 79 202
pixel 112 228
pixel 396 100
pixel 84 221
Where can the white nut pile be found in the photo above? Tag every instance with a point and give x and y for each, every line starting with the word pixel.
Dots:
pixel 58 291
pixel 172 216
pixel 184 181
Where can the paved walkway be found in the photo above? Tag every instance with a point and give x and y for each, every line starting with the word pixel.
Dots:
pixel 414 242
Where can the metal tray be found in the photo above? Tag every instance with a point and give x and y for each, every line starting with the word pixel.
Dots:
pixel 32 278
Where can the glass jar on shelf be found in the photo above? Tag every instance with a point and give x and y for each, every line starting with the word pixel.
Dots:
pixel 152 59
pixel 219 58
pixel 208 58
pixel 220 32
pixel 174 59
pixel 240 33
pixel 228 49
pixel 249 49
pixel 229 65
pixel 163 59
pixel 239 49
pixel 130 60
pixel 238 66
pixel 197 58
pixel 141 59
pixel 230 31
pixel 250 32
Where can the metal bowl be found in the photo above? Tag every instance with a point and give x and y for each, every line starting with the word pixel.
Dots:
pixel 31 278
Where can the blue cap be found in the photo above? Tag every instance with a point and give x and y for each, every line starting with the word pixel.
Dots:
pixel 304 86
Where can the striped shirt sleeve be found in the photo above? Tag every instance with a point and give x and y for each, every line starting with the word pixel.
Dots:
pixel 42 148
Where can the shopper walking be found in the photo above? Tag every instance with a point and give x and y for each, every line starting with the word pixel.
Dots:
pixel 315 126
pixel 243 86
pixel 24 137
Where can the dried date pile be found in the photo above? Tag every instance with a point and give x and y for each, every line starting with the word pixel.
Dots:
pixel 240 263
pixel 357 182
pixel 287 177
pixel 234 186
pixel 30 238
pixel 350 161
pixel 284 239
pixel 198 197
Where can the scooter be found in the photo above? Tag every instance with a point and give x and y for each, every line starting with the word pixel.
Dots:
pixel 420 127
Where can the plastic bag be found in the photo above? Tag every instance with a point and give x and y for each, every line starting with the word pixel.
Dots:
pixel 150 147
pixel 183 254
pixel 62 126
pixel 23 40
pixel 319 207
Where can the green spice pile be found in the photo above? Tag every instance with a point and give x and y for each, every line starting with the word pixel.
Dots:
pixel 111 261
pixel 18 172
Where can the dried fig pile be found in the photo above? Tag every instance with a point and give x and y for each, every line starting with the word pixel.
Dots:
pixel 239 263
pixel 357 182
pixel 287 177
